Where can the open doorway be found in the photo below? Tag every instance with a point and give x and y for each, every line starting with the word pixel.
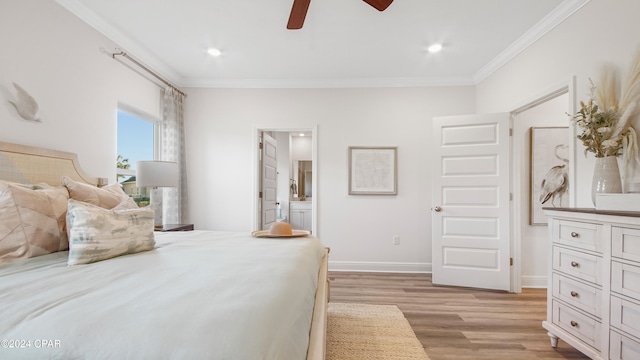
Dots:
pixel 548 109
pixel 294 198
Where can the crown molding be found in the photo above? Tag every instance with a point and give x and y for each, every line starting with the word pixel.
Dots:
pixel 325 83
pixel 553 19
pixel 124 42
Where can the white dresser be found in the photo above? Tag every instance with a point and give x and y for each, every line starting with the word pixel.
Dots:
pixel 593 293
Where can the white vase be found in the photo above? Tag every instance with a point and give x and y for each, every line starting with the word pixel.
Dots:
pixel 606 177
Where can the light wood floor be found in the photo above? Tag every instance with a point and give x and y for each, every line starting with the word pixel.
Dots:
pixel 455 323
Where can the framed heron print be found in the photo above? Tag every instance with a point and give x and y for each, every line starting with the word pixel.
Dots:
pixel 549 166
pixel 373 170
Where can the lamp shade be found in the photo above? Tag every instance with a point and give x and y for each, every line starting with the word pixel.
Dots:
pixel 156 174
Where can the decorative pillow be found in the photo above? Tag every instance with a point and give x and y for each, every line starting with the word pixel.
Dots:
pixel 106 197
pixel 126 202
pixel 97 234
pixel 32 221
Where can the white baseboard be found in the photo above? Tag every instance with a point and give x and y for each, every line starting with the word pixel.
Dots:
pixel 365 266
pixel 534 282
pixel 393 267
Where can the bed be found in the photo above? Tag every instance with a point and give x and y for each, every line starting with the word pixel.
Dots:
pixel 197 294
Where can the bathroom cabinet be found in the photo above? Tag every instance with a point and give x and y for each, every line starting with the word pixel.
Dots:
pixel 300 215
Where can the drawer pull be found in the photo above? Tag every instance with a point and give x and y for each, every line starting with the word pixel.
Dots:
pixel 574 234
pixel 574 324
pixel 575 264
pixel 574 294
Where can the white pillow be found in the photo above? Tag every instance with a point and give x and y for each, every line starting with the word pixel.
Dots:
pixel 97 234
pixel 32 222
pixel 106 197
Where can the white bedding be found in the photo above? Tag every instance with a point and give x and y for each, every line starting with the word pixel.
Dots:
pixel 198 295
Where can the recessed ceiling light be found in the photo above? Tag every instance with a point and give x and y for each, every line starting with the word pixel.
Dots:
pixel 301 134
pixel 434 48
pixel 214 52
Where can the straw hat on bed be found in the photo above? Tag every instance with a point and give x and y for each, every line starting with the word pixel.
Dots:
pixel 280 230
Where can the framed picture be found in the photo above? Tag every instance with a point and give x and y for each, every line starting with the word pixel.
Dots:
pixel 373 170
pixel 549 165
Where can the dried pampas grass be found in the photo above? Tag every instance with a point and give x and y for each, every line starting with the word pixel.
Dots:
pixel 620 105
pixel 630 97
pixel 631 87
pixel 630 105
pixel 607 88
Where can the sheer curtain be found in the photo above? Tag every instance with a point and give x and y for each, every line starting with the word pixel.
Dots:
pixel 174 199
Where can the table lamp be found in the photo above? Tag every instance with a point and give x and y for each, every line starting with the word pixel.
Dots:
pixel 156 174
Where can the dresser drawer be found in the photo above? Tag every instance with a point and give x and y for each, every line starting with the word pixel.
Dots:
pixel 584 266
pixel 581 235
pixel 623 347
pixel 625 243
pixel 625 279
pixel 577 324
pixel 625 315
pixel 580 295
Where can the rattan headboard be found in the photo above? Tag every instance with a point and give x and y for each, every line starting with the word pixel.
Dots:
pixel 33 165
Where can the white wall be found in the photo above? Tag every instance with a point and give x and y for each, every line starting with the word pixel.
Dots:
pixel 534 244
pixel 220 130
pixel 601 31
pixel 56 57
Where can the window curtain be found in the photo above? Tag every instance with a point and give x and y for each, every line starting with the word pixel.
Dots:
pixel 173 149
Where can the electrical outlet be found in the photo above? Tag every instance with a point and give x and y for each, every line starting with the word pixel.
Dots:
pixel 396 240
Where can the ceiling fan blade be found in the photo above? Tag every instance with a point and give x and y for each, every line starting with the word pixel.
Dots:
pixel 380 5
pixel 298 13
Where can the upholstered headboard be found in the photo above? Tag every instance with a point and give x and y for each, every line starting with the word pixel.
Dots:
pixel 33 165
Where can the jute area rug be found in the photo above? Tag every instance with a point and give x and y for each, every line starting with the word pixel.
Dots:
pixel 362 332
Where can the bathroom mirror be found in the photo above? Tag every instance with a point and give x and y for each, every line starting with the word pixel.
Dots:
pixel 304 179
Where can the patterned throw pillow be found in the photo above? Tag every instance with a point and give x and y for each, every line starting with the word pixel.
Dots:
pixel 106 197
pixel 97 234
pixel 32 221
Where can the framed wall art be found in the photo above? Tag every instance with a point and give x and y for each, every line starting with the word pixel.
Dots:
pixel 549 165
pixel 373 170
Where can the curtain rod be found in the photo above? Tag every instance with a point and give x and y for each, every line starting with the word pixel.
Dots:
pixel 166 82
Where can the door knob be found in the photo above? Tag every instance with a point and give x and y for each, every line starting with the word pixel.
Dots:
pixel 437 209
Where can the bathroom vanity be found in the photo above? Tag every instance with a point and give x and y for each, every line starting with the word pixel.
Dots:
pixel 300 215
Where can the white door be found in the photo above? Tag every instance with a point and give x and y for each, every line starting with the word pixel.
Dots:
pixel 269 181
pixel 470 210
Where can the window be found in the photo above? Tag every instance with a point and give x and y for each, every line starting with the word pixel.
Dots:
pixel 137 140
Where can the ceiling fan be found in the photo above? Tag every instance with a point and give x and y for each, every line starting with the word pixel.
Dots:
pixel 300 7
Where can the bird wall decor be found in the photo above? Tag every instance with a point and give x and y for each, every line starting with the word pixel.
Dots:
pixel 25 104
pixel 556 182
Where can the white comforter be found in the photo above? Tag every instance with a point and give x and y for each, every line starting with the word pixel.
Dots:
pixel 198 295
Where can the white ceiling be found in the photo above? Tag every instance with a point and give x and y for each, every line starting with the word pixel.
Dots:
pixel 344 43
